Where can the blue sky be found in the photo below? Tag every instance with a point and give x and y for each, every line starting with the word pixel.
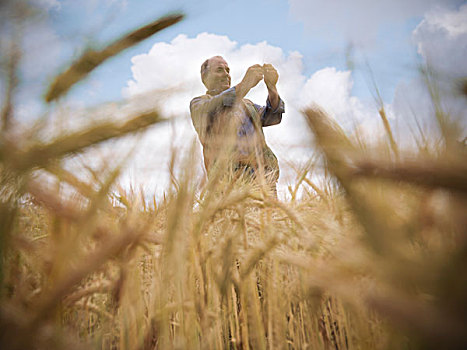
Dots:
pixel 326 51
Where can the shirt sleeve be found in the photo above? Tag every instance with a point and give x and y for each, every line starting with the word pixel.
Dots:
pixel 208 104
pixel 270 116
pixel 203 108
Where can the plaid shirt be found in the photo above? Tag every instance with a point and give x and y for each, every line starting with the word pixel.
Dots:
pixel 217 118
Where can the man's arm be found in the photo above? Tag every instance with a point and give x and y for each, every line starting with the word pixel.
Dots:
pixel 272 113
pixel 273 96
pixel 271 116
pixel 252 77
pixel 207 104
pixel 203 107
pixel 270 78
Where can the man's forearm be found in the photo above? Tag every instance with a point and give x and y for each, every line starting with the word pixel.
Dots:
pixel 252 77
pixel 273 96
pixel 241 89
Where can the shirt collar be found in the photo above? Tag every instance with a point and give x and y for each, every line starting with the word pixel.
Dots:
pixel 213 92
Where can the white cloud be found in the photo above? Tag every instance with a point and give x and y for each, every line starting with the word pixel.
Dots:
pixel 331 89
pixel 359 20
pixel 441 41
pixel 175 67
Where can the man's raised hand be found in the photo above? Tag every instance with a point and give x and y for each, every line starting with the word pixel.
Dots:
pixel 270 78
pixel 270 75
pixel 252 77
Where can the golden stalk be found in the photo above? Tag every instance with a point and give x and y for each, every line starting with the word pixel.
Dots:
pixel 47 198
pixel 103 287
pixel 112 247
pixel 40 155
pixel 64 175
pixel 387 127
pixel 430 173
pixel 91 59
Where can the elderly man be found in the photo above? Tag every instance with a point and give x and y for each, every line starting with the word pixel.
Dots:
pixel 230 126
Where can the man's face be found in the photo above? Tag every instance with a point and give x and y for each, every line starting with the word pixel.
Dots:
pixel 218 76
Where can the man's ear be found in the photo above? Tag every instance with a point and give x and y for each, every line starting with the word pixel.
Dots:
pixel 203 79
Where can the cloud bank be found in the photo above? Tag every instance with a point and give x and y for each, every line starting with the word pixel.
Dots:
pixel 441 41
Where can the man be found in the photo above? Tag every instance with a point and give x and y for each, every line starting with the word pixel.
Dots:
pixel 230 126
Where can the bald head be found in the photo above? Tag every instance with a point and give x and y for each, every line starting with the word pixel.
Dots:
pixel 215 74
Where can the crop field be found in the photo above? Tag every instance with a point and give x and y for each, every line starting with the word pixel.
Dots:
pixel 373 256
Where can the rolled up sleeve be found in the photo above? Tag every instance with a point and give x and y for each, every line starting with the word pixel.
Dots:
pixel 270 116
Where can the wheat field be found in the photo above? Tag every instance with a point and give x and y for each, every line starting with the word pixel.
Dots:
pixel 372 257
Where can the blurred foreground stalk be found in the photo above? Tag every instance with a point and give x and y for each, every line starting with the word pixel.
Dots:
pixel 429 260
pixel 72 237
pixel 91 58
